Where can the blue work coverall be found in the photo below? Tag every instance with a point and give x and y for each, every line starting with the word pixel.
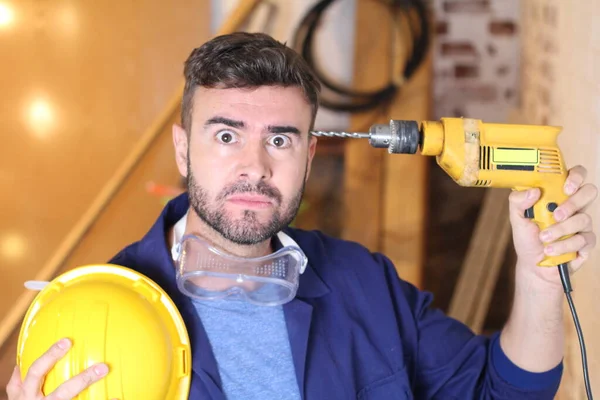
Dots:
pixel 357 330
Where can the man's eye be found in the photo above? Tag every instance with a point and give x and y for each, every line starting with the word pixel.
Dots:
pixel 280 141
pixel 226 137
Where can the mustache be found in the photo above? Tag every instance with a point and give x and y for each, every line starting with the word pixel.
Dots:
pixel 262 188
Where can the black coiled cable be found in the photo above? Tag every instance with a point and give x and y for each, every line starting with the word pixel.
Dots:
pixel 364 100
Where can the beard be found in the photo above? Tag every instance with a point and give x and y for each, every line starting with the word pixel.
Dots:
pixel 247 230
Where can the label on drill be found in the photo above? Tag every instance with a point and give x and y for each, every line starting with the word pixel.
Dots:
pixel 515 158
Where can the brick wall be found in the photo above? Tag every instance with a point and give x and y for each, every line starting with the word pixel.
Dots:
pixel 561 86
pixel 476 58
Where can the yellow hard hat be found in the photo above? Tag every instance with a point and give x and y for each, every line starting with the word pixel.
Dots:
pixel 114 315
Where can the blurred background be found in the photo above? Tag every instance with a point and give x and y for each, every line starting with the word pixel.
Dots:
pixel 90 91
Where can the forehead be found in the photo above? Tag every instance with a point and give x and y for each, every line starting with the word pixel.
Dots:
pixel 265 104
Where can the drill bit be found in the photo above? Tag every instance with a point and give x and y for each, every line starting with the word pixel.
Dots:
pixel 355 135
pixel 398 136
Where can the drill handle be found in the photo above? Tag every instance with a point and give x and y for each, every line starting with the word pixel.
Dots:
pixel 542 214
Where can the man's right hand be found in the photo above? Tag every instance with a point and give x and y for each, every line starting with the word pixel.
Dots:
pixel 30 387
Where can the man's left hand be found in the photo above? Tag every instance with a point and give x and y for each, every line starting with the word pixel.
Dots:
pixel 531 245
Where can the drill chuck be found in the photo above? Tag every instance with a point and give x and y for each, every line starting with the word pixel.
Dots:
pixel 399 137
pixel 380 136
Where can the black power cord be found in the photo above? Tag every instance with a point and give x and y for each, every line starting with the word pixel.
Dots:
pixel 563 270
pixel 365 100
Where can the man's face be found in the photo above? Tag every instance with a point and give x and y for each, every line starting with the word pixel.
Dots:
pixel 247 159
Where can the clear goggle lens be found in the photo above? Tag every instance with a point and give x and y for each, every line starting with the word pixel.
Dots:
pixel 204 272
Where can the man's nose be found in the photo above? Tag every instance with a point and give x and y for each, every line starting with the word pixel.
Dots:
pixel 254 164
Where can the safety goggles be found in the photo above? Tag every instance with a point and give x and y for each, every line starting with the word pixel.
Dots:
pixel 206 273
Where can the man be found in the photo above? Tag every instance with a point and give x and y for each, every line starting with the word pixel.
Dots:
pixel 353 329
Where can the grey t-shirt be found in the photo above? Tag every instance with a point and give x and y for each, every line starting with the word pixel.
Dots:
pixel 252 349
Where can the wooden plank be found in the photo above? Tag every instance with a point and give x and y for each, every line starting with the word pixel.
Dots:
pixel 363 164
pixel 479 273
pixel 485 256
pixel 405 185
pixel 385 196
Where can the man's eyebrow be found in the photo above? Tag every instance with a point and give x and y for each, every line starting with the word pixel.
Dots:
pixel 283 129
pixel 240 124
pixel 225 121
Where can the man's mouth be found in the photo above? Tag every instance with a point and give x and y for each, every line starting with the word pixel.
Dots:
pixel 248 200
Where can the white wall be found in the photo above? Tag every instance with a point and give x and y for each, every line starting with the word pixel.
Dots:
pixel 334 48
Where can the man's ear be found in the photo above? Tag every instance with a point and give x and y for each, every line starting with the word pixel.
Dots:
pixel 312 148
pixel 180 144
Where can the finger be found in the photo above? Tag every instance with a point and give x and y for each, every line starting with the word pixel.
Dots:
pixel 577 202
pixel 576 243
pixel 521 200
pixel 575 179
pixel 577 223
pixel 582 257
pixel 13 387
pixel 78 383
pixel 41 366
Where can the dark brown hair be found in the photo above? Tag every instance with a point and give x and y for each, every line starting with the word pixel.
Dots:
pixel 246 60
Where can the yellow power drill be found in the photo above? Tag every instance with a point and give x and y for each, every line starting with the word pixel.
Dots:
pixel 478 154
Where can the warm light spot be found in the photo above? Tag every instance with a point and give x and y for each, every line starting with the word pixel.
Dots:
pixel 12 247
pixel 68 20
pixel 40 116
pixel 7 15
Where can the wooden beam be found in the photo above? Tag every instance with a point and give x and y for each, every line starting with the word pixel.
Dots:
pixel 363 164
pixel 385 196
pixel 405 186
pixel 479 273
